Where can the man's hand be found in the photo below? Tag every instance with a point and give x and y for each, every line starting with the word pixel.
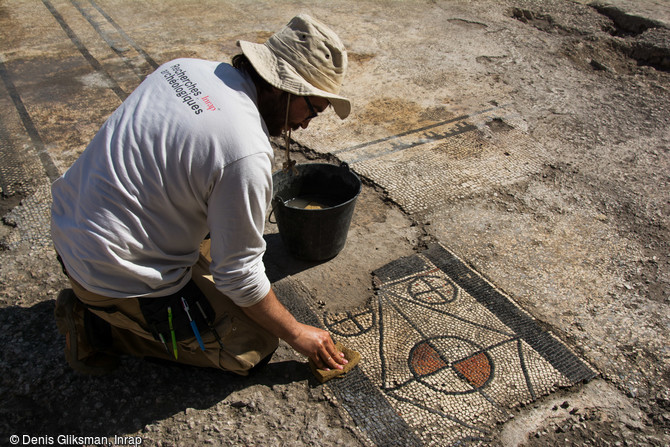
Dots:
pixel 310 341
pixel 317 345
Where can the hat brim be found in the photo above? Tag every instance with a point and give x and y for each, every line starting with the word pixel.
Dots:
pixel 283 76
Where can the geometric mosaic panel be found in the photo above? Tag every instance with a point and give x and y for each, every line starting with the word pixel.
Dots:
pixel 445 355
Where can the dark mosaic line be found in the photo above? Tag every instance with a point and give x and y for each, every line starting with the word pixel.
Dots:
pixel 409 320
pixel 545 344
pixel 400 268
pixel 469 440
pixel 493 403
pixel 332 324
pixel 411 131
pixel 47 162
pixel 461 128
pixel 403 134
pixel 492 375
pixel 449 314
pixel 357 393
pixel 526 376
pixel 459 374
pixel 371 411
pixel 452 418
pixel 108 40
pixel 134 44
pixel 382 356
pixel 425 279
pixel 355 321
pixel 84 51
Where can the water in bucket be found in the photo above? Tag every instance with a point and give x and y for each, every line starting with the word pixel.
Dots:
pixel 314 207
pixel 312 202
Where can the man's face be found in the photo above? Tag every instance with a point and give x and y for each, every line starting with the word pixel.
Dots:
pixel 299 116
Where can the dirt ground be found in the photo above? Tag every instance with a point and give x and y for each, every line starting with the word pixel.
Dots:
pixel 581 240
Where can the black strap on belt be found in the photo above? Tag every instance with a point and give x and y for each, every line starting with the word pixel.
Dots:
pixel 155 311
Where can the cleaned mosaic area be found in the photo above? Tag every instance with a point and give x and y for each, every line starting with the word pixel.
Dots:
pixel 424 168
pixel 445 355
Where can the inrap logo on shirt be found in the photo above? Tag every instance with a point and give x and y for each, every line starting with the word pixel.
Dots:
pixel 184 88
pixel 208 102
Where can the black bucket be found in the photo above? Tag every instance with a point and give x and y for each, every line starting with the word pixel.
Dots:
pixel 313 208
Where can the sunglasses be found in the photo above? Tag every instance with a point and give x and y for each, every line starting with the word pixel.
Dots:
pixel 312 112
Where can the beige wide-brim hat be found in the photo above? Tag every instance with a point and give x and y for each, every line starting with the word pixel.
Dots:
pixel 305 58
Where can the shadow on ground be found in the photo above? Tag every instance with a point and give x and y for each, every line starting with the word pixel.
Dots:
pixel 279 263
pixel 42 396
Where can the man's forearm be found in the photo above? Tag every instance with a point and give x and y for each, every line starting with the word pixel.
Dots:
pixel 271 314
pixel 310 341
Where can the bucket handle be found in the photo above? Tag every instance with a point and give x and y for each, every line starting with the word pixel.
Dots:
pixel 272 211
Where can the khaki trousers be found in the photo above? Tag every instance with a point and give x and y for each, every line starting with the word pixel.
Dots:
pixel 245 343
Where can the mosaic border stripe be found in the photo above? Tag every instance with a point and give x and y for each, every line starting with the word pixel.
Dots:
pixel 512 315
pixel 364 402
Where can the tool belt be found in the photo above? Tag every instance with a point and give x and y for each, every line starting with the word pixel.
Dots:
pixel 155 312
pixel 167 316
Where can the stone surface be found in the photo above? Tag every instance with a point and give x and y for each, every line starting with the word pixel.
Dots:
pixel 529 138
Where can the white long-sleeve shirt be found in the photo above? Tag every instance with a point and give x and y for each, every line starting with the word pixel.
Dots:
pixel 186 154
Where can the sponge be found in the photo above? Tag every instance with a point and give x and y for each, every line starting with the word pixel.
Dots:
pixel 323 376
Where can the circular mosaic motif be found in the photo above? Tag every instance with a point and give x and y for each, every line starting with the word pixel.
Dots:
pixel 451 365
pixel 432 289
pixel 351 323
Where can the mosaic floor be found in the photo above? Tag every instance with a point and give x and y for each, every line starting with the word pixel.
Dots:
pixel 428 167
pixel 445 355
